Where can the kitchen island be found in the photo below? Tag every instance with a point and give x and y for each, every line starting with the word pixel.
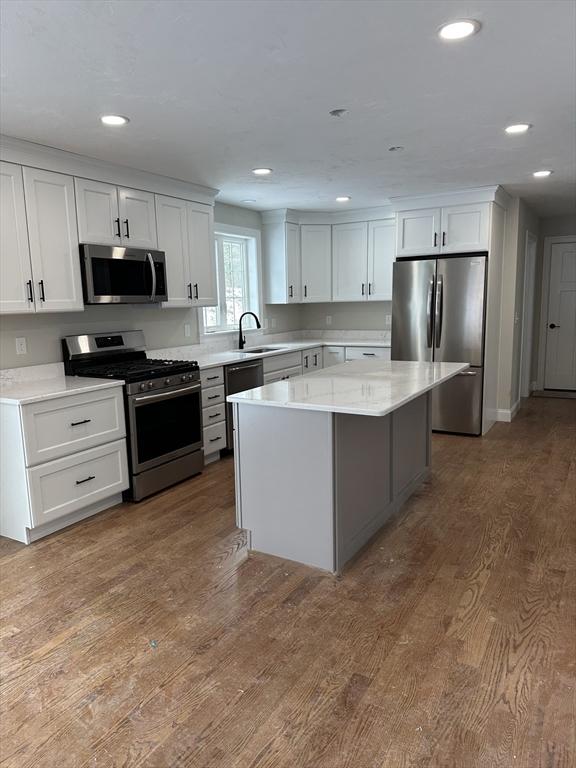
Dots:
pixel 323 460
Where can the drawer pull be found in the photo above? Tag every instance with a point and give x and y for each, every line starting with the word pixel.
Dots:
pixel 214 439
pixel 76 423
pixel 86 479
pixel 214 415
pixel 212 378
pixel 213 397
pixel 369 354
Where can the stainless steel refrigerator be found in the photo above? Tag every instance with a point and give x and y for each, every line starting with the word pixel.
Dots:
pixel 438 314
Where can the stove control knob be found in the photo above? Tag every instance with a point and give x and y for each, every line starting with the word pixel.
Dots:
pixel 167 381
pixel 142 387
pixel 184 378
pixel 150 385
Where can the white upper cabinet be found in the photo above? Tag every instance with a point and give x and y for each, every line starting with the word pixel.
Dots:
pixel 451 229
pixel 97 210
pixel 110 215
pixel 281 258
pixel 137 218
pixel 53 237
pixel 465 228
pixel 417 232
pixel 316 256
pixel 202 257
pixel 381 245
pixel 349 261
pixel 16 290
pixel 172 220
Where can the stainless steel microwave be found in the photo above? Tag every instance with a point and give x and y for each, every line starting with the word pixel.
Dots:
pixel 116 275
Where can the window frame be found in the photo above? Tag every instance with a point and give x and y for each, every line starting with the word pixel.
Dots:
pixel 252 240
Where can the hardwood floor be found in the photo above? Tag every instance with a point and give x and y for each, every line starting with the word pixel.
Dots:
pixel 147 637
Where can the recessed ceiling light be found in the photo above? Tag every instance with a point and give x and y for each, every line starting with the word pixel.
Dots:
pixel 458 30
pixel 114 120
pixel 261 171
pixel 518 128
pixel 343 199
pixel 340 112
pixel 248 201
pixel 542 174
pixel 395 149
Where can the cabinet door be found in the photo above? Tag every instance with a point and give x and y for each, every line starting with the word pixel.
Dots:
pixel 15 269
pixel 293 269
pixel 465 228
pixel 53 233
pixel 97 209
pixel 349 262
pixel 316 257
pixel 381 243
pixel 202 256
pixel 417 232
pixel 315 355
pixel 172 220
pixel 137 218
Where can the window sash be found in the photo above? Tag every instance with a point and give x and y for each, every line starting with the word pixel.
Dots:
pixel 245 289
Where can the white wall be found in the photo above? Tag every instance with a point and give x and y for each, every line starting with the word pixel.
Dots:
pixel 353 316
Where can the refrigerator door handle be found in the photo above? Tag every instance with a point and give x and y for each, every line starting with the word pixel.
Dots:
pixel 429 303
pixel 438 309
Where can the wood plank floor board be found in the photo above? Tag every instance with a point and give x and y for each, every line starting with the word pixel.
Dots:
pixel 147 636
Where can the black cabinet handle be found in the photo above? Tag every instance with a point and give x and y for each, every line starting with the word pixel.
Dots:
pixel 305 291
pixel 76 423
pixel 195 290
pixel 363 289
pixel 306 361
pixel 213 397
pixel 215 415
pixel 443 238
pixel 189 290
pixel 118 231
pixel 214 439
pixel 42 294
pixel 291 291
pixel 435 239
pixel 30 291
pixel 315 359
pixel 369 354
pixel 86 479
pixel 369 289
pixel 127 228
pixel 212 378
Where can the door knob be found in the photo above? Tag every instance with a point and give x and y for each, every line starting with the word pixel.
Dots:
pixel 553 325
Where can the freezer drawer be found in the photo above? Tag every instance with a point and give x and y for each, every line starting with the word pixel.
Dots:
pixel 457 404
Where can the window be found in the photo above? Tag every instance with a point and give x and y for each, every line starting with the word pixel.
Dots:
pixel 237 275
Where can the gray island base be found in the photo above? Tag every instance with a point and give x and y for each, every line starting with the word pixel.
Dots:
pixel 323 461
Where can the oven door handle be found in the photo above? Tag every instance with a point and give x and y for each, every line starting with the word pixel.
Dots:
pixel 165 395
pixel 152 269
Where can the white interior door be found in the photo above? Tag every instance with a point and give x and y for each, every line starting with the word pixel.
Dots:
pixel 137 218
pixel 16 291
pixel 560 371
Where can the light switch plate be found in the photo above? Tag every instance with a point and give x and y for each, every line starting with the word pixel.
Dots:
pixel 187 329
pixel 21 346
pixel 328 319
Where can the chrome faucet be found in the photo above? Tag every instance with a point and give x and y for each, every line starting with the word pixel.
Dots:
pixel 241 339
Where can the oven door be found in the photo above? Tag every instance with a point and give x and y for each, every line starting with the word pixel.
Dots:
pixel 164 425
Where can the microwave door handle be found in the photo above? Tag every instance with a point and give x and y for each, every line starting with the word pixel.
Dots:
pixel 429 304
pixel 438 315
pixel 151 262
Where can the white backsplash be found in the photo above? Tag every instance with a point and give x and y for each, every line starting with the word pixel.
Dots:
pixel 32 373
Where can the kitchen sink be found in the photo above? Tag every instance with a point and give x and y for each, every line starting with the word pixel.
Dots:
pixel 259 350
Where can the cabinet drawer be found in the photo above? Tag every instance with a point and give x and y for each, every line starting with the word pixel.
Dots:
pixel 366 353
pixel 213 415
pixel 65 425
pixel 66 485
pixel 214 438
pixel 285 373
pixel 278 362
pixel 212 396
pixel 212 377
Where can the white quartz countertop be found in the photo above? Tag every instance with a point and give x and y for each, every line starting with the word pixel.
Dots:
pixel 23 392
pixel 362 387
pixel 216 359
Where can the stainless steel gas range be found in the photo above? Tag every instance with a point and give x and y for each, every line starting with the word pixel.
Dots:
pixel 162 400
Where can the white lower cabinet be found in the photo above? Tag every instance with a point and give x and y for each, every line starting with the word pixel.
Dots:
pixel 312 359
pixel 61 459
pixel 66 485
pixel 333 356
pixel 283 375
pixel 213 412
pixel 367 353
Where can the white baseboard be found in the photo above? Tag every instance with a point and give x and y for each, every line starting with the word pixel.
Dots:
pixel 507 414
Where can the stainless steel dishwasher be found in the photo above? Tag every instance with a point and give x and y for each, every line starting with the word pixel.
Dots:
pixel 238 378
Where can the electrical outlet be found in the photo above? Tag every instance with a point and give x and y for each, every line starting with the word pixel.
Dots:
pixel 187 329
pixel 328 319
pixel 273 322
pixel 21 346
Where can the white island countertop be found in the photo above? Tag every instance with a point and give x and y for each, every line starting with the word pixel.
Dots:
pixel 34 390
pixel 361 387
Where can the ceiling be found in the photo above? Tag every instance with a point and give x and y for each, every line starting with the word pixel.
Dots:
pixel 214 89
